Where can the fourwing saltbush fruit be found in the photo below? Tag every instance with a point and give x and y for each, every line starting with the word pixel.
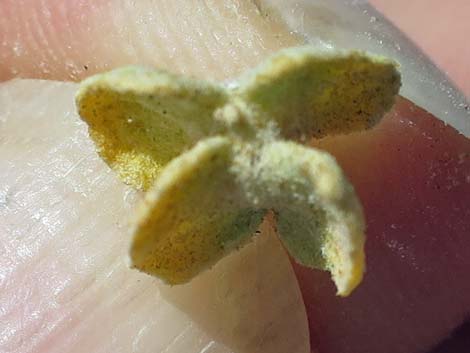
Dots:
pixel 214 160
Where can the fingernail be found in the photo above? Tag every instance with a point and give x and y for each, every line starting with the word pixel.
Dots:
pixel 354 24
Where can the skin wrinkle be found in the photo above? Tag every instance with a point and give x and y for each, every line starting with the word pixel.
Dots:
pixel 133 46
pixel 71 50
pixel 30 33
pixel 178 36
pixel 42 26
pixel 147 41
pixel 192 44
pixel 225 38
pixel 161 32
pixel 207 31
pixel 204 31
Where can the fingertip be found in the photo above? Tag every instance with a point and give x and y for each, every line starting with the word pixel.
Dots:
pixel 39 38
pixel 70 40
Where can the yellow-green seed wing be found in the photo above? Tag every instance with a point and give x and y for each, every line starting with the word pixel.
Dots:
pixel 318 215
pixel 193 215
pixel 314 94
pixel 142 118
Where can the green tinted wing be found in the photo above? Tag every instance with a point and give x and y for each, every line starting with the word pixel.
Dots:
pixel 141 118
pixel 313 94
pixel 318 215
pixel 193 215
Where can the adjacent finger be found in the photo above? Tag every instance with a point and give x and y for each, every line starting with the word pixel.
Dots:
pixel 412 176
